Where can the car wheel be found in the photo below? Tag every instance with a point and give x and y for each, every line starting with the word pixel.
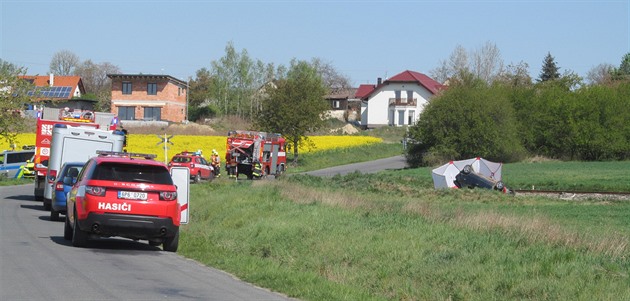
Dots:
pixel 500 185
pixel 79 238
pixel 197 178
pixel 171 243
pixel 67 230
pixel 467 169
pixel 54 215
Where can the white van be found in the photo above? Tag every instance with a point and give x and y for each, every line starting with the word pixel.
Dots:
pixel 77 144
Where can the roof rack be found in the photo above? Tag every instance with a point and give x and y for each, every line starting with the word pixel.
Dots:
pixel 125 154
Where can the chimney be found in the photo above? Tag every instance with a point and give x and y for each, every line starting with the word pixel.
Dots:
pixel 379 81
pixel 51 81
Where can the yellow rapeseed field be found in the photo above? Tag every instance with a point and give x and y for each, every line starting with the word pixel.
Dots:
pixel 148 143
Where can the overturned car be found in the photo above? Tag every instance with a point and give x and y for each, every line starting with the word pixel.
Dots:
pixel 469 173
pixel 467 178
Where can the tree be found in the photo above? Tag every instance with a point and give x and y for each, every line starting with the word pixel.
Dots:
pixel 470 119
pixel 600 75
pixel 516 75
pixel 624 67
pixel 457 63
pixel 550 70
pixel 486 64
pixel 296 106
pixel 331 78
pixel 13 96
pixel 96 82
pixel 623 73
pixel 63 63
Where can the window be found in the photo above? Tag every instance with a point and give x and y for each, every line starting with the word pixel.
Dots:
pixel 152 113
pixel 126 113
pixel 411 117
pixel 132 173
pixel 152 88
pixel 401 117
pixel 179 91
pixel 397 92
pixel 336 104
pixel 126 88
pixel 409 96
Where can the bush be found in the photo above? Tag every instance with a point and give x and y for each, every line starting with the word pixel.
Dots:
pixel 467 120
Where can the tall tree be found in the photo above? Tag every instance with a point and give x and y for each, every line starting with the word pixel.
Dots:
pixel 296 107
pixel 96 82
pixel 550 71
pixel 484 63
pixel 600 74
pixel 623 73
pixel 63 63
pixel 13 96
pixel 331 78
pixel 516 75
pixel 487 63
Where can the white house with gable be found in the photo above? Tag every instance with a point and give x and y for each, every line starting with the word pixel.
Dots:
pixel 397 101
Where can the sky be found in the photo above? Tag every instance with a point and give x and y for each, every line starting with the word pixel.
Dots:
pixel 363 40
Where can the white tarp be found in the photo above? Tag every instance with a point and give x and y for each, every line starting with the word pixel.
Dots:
pixel 444 176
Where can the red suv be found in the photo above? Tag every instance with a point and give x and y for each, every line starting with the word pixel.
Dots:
pixel 123 194
pixel 196 163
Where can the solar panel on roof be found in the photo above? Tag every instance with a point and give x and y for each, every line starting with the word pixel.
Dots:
pixel 52 92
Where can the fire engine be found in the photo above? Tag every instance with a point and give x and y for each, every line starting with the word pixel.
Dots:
pixel 248 147
pixel 46 120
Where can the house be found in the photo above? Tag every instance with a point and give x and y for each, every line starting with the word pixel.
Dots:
pixel 397 101
pixel 149 97
pixel 55 91
pixel 343 103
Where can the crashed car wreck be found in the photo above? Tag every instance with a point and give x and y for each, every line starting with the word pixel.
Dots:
pixel 467 178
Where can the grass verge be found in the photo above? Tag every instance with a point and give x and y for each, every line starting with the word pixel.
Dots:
pixel 390 237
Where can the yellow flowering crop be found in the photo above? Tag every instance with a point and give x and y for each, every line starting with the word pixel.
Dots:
pixel 148 144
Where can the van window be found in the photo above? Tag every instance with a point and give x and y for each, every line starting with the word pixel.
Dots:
pixel 20 157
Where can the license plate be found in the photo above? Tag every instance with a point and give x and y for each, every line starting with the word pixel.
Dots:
pixel 132 195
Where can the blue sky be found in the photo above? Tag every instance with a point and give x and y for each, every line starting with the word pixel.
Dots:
pixel 363 40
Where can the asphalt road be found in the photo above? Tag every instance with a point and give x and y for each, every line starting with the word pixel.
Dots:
pixel 36 263
pixel 397 162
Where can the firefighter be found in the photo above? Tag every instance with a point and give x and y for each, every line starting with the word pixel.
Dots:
pixel 216 163
pixel 257 170
pixel 231 165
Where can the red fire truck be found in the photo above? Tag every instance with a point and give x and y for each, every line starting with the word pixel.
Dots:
pixel 249 147
pixel 46 120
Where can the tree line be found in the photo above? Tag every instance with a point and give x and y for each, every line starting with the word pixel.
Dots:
pixel 510 117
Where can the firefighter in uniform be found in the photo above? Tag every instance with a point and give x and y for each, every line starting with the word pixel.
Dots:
pixel 216 163
pixel 231 165
pixel 257 170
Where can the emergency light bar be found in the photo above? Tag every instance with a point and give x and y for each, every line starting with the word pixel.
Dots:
pixel 125 154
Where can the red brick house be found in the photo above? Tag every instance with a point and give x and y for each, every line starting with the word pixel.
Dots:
pixel 148 97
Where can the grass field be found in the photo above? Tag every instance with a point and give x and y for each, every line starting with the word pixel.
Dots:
pixel 391 236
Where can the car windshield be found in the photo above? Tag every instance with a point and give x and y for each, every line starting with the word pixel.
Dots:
pixel 132 173
pixel 181 159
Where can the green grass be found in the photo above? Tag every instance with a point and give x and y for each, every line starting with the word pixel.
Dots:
pixel 580 176
pixel 391 236
pixel 341 156
pixel 11 182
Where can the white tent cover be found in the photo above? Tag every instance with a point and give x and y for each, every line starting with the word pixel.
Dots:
pixel 444 176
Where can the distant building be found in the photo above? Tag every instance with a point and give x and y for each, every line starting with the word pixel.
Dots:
pixel 397 101
pixel 56 91
pixel 148 97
